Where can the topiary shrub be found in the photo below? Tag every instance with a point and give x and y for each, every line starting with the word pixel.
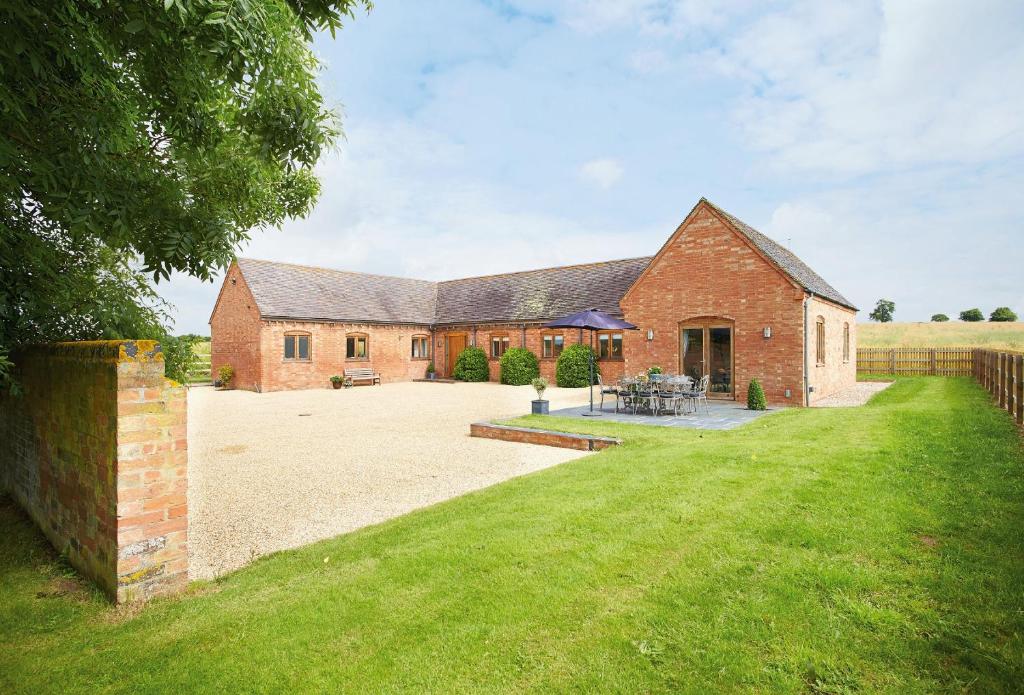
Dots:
pixel 755 396
pixel 519 367
pixel 572 370
pixel 471 365
pixel 939 318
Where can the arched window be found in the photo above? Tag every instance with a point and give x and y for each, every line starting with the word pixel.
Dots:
pixel 820 342
pixel 846 342
pixel 357 346
pixel 297 346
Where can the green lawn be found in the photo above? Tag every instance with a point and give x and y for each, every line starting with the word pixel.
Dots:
pixel 869 550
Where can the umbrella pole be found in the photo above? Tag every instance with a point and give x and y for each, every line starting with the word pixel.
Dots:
pixel 591 386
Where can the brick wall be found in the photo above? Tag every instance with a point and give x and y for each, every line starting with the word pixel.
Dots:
pixel 836 374
pixel 389 353
pixel 235 332
pixel 611 370
pixel 707 270
pixel 95 450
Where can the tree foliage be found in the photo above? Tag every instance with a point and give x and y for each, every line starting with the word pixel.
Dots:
pixel 143 138
pixel 883 311
pixel 519 367
pixel 572 369
pixel 471 365
pixel 939 318
pixel 972 315
pixel 1003 313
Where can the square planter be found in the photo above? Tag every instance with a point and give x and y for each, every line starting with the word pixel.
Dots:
pixel 539 407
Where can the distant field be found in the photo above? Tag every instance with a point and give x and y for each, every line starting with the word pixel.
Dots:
pixel 1005 336
pixel 202 348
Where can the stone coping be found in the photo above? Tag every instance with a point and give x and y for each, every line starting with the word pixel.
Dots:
pixel 529 435
pixel 115 351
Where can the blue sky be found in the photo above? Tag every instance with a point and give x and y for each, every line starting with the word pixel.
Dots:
pixel 883 143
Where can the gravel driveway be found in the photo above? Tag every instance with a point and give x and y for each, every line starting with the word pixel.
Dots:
pixel 279 470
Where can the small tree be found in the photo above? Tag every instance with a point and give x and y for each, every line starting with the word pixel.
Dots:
pixel 755 396
pixel 972 315
pixel 540 385
pixel 471 365
pixel 519 367
pixel 1003 313
pixel 939 318
pixel 883 311
pixel 572 370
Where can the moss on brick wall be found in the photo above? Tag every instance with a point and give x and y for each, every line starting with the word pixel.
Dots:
pixel 66 434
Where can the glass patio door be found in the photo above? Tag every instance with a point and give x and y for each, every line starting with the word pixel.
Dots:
pixel 706 350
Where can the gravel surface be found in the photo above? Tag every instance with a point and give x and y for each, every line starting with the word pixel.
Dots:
pixel 858 395
pixel 279 470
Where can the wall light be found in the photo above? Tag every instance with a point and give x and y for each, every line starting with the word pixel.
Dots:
pixel 767 331
pixel 650 334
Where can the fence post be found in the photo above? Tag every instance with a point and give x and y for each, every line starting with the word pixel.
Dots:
pixel 892 360
pixel 1020 389
pixel 1002 379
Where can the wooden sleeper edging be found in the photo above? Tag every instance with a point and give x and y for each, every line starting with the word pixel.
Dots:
pixel 527 435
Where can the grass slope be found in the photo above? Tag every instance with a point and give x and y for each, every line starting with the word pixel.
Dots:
pixel 997 336
pixel 810 551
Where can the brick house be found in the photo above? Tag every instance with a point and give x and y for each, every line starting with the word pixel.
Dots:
pixel 719 298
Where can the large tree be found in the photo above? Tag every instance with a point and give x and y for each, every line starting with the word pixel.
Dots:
pixel 141 137
pixel 883 311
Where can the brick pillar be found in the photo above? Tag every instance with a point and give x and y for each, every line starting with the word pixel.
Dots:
pixel 152 482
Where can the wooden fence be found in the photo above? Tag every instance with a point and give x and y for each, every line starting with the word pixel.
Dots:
pixel 912 361
pixel 1002 375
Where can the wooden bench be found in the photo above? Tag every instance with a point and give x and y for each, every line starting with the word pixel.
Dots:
pixel 363 374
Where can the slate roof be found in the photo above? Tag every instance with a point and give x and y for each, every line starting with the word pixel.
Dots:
pixel 289 291
pixel 538 294
pixel 285 290
pixel 786 260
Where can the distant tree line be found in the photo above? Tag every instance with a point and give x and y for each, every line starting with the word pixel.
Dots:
pixel 885 308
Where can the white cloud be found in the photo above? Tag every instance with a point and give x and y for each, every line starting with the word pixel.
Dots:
pixel 671 18
pixel 843 89
pixel 603 173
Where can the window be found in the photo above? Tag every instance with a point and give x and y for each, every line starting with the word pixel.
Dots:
pixel 609 346
pixel 356 346
pixel 499 344
pixel 846 342
pixel 420 347
pixel 296 347
pixel 551 345
pixel 820 342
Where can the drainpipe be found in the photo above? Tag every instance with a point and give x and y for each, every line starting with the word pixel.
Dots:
pixel 807 366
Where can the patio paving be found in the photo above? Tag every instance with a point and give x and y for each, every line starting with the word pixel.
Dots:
pixel 721 415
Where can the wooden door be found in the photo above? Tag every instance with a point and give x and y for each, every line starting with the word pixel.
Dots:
pixel 454 344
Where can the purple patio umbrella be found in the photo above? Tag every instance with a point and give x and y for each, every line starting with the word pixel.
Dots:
pixel 593 320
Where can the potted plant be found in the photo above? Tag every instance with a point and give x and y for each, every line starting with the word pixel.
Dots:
pixel 654 370
pixel 431 372
pixel 336 381
pixel 226 373
pixel 539 406
pixel 347 382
